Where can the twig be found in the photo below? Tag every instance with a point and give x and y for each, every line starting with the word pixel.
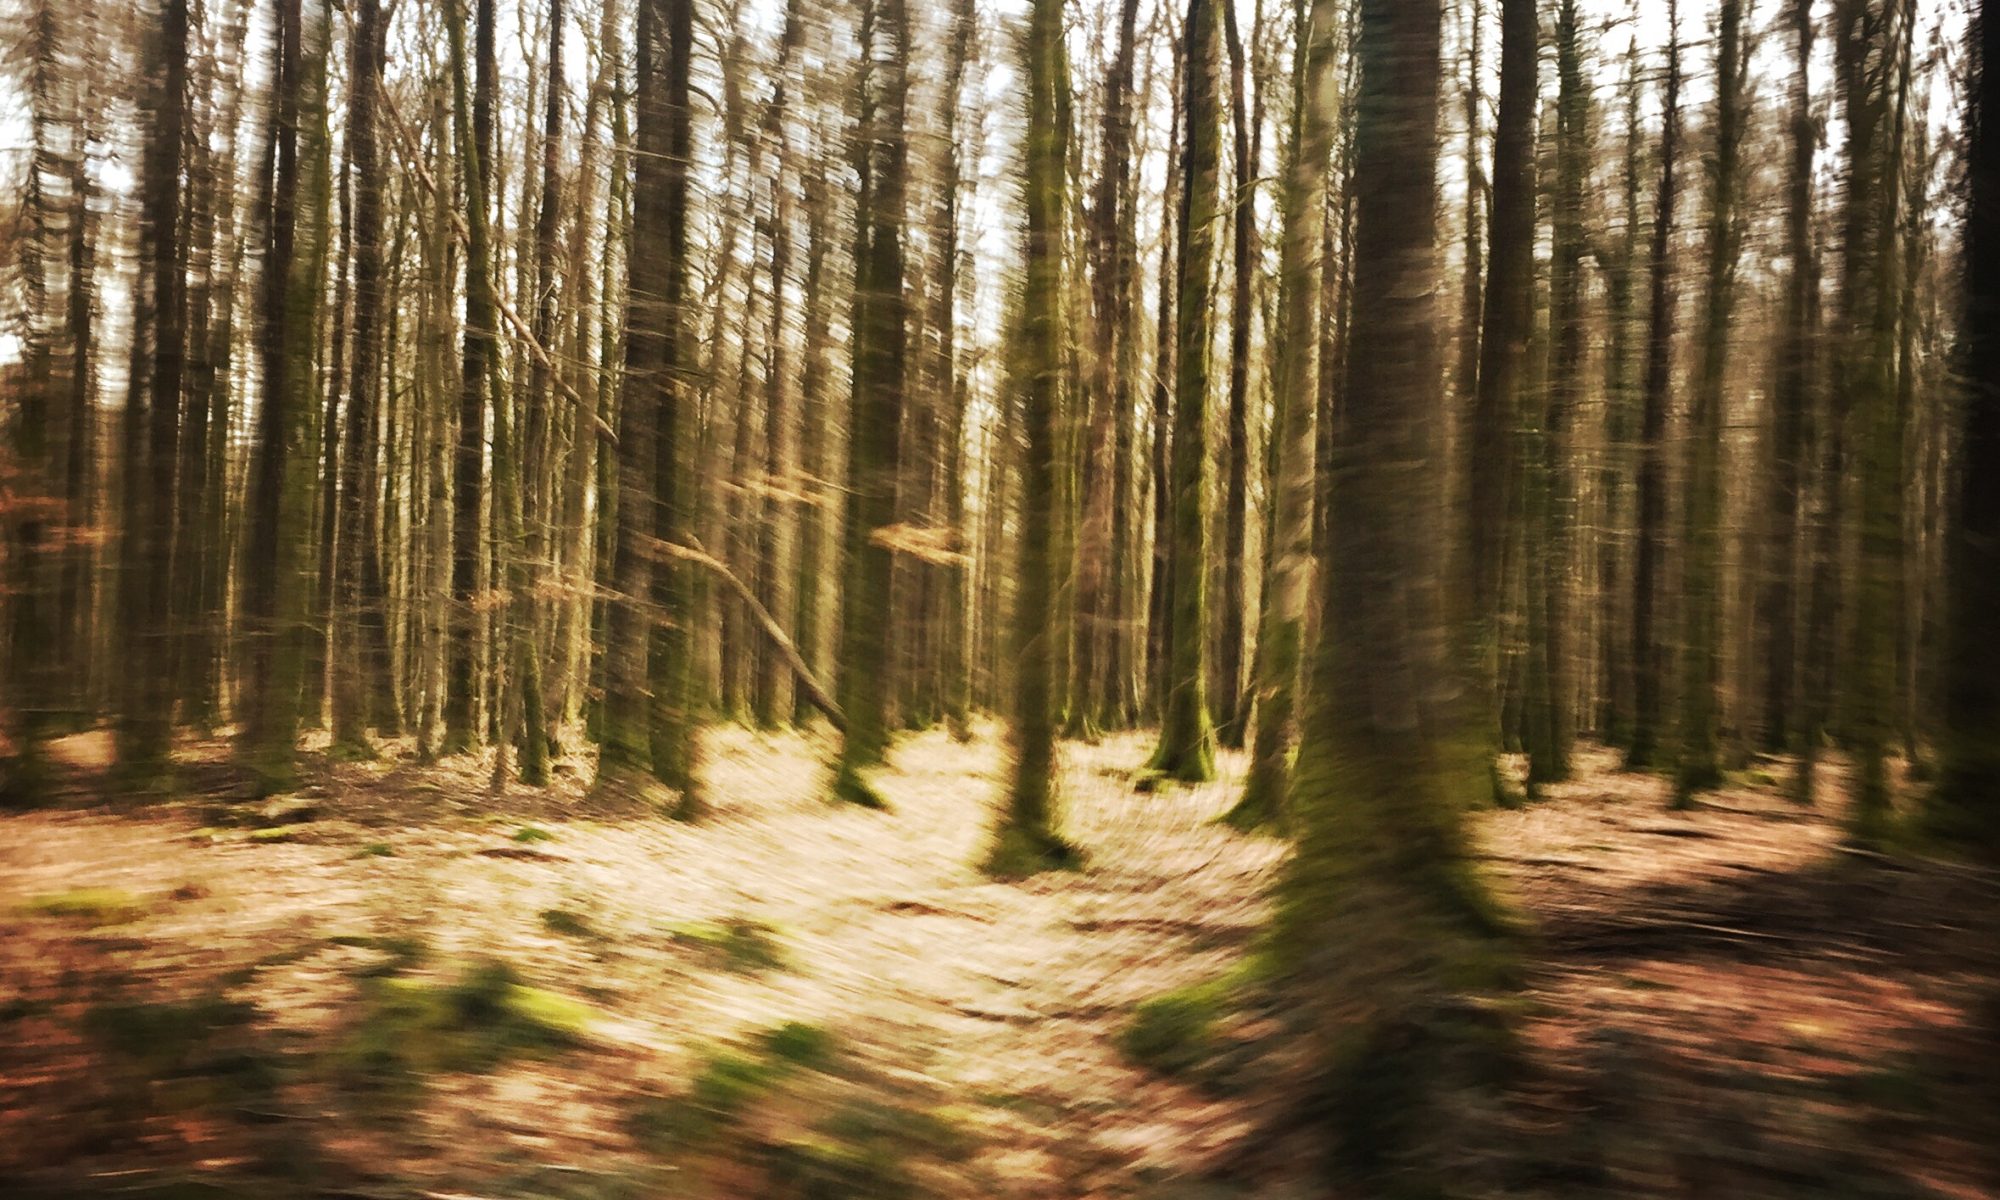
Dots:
pixel 820 697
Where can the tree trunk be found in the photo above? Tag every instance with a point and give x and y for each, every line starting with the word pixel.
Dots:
pixel 473 130
pixel 1966 803
pixel 276 589
pixel 1290 574
pixel 1026 841
pixel 1383 924
pixel 1699 767
pixel 1187 737
pixel 1227 701
pixel 881 335
pixel 361 695
pixel 1648 654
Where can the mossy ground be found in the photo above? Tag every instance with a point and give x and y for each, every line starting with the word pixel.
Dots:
pixel 288 1018
pixel 738 944
pixel 792 1115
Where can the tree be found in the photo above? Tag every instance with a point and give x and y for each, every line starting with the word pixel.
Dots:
pixel 537 498
pixel 1791 399
pixel 1187 736
pixel 1966 802
pixel 881 337
pixel 473 133
pixel 650 406
pixel 1099 700
pixel 1026 841
pixel 1231 719
pixel 670 660
pixel 275 595
pixel 32 535
pixel 1873 80
pixel 361 692
pixel 955 655
pixel 1648 657
pixel 1698 767
pixel 145 726
pixel 1550 716
pixel 1472 298
pixel 1503 350
pixel 779 535
pixel 1288 580
pixel 1382 920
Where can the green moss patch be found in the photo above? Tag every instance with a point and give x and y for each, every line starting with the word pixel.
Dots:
pixel 736 944
pixel 1189 1031
pixel 408 1029
pixel 1019 852
pixel 790 1116
pixel 98 906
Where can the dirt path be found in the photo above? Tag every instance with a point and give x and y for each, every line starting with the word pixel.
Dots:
pixel 1690 944
pixel 1005 997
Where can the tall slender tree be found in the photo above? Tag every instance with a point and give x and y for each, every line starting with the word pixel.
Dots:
pixel 1231 718
pixel 473 133
pixel 1187 735
pixel 1096 703
pixel 145 723
pixel 881 337
pixel 1870 49
pixel 1503 348
pixel 1288 578
pixel 670 662
pixel 295 203
pixel 1791 398
pixel 1648 655
pixel 361 694
pixel 1698 764
pixel 1551 494
pixel 1027 841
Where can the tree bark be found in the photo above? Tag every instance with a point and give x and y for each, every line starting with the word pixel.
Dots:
pixel 1187 736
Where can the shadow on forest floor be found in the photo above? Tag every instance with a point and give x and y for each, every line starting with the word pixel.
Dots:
pixel 397 983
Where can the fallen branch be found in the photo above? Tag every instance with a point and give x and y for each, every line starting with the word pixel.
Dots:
pixel 820 697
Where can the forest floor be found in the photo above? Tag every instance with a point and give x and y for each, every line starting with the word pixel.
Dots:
pixel 398 984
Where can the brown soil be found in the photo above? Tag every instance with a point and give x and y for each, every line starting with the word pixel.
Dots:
pixel 1727 1004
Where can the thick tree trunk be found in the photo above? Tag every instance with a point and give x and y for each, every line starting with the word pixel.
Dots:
pixel 1966 804
pixel 1383 924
